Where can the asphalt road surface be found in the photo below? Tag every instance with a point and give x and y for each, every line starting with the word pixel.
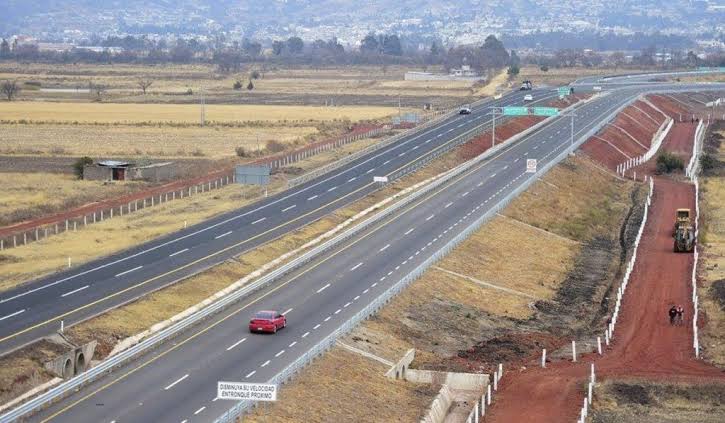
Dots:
pixel 177 381
pixel 35 310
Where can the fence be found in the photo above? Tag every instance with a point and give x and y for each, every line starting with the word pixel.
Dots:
pixel 479 408
pixel 327 343
pixel 97 213
pixel 584 411
pixel 173 330
pixel 657 139
pixel 691 171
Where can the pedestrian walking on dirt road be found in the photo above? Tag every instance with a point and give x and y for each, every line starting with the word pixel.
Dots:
pixel 680 315
pixel 673 314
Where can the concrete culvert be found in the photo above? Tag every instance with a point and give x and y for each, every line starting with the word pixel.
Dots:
pixel 80 363
pixel 68 369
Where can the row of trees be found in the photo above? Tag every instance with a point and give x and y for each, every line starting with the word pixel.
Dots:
pixel 648 57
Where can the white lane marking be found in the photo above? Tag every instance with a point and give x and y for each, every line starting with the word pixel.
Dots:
pixel 374 285
pixel 397 267
pixel 382 279
pixel 356 298
pixel 222 235
pixel 402 154
pixel 404 262
pixel 210 227
pixel 390 273
pixel 184 421
pixel 323 288
pixel 346 305
pixel 74 291
pixel 338 311
pixel 384 248
pixel 493 175
pixel 259 220
pixel 286 312
pixel 410 258
pixel 250 374
pixel 327 319
pixel 465 193
pixel 292 344
pixel 370 171
pixel 175 382
pixel 129 271
pixel 235 344
pixel 352 179
pixel 505 167
pixel 304 335
pixel 479 184
pixel 199 410
pixel 289 208
pixel 179 252
pixel 265 363
pixel 429 218
pixel 332 189
pixel 415 148
pixel 279 353
pixel 517 159
pixel 428 141
pixel 12 314
pixel 386 162
pixel 215 399
pixel 356 266
pixel 316 326
pixel 409 231
pixel 366 291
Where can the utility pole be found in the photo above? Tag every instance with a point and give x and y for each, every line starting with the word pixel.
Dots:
pixel 400 117
pixel 202 111
pixel 493 131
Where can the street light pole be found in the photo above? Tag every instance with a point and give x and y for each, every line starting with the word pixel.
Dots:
pixel 493 132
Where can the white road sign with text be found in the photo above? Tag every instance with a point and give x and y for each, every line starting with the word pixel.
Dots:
pixel 246 391
pixel 530 165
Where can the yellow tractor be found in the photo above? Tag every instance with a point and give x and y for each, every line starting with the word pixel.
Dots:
pixel 684 232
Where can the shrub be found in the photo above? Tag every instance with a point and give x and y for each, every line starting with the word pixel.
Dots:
pixel 237 85
pixel 274 146
pixel 79 164
pixel 513 70
pixel 668 162
pixel 189 92
pixel 241 152
pixel 708 162
pixel 255 74
pixel 250 86
pixel 544 68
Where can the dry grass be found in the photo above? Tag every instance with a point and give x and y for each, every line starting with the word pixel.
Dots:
pixel 344 386
pixel 182 113
pixel 563 202
pixel 23 370
pixel 563 76
pixel 497 82
pixel 712 267
pixel 157 141
pixel 28 195
pixel 650 402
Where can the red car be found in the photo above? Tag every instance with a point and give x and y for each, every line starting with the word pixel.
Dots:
pixel 267 321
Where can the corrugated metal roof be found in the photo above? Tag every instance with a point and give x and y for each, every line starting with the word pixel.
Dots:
pixel 113 163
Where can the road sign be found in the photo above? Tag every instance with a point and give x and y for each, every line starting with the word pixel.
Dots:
pixel 515 111
pixel 252 175
pixel 246 391
pixel 564 91
pixel 380 179
pixel 530 165
pixel 545 111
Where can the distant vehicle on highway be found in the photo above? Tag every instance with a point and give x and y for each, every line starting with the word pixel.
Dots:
pixel 267 321
pixel 528 97
pixel 526 86
pixel 596 88
pixel 498 96
pixel 465 110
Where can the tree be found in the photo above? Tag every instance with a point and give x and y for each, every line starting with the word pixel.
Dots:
pixel 617 59
pixel 514 59
pixel 369 44
pixel 79 164
pixel 512 71
pixel 295 45
pixel 544 68
pixel 277 47
pixel 144 84
pixel 10 89
pixel 4 49
pixel 250 86
pixel 491 55
pixel 97 90
pixel 252 48
pixel 255 74
pixel 237 85
pixel 392 46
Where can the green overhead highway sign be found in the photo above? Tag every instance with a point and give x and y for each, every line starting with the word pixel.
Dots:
pixel 515 111
pixel 545 111
pixel 530 111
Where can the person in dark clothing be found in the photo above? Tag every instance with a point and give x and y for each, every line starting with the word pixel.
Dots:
pixel 673 314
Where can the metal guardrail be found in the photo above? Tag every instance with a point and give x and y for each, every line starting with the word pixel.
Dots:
pixel 121 358
pixel 114 362
pixel 377 146
pixel 329 341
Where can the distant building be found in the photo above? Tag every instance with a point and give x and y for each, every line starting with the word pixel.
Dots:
pixel 465 73
pixel 114 170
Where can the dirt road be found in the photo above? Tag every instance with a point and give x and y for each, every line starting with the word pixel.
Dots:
pixel 645 344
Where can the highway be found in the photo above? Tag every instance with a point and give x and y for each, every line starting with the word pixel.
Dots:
pixel 177 381
pixel 36 309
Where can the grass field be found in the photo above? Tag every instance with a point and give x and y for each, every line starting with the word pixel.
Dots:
pixel 156 141
pixel 29 195
pixel 182 113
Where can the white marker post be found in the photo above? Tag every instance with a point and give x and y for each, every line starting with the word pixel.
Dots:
pixel 573 351
pixel 543 357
